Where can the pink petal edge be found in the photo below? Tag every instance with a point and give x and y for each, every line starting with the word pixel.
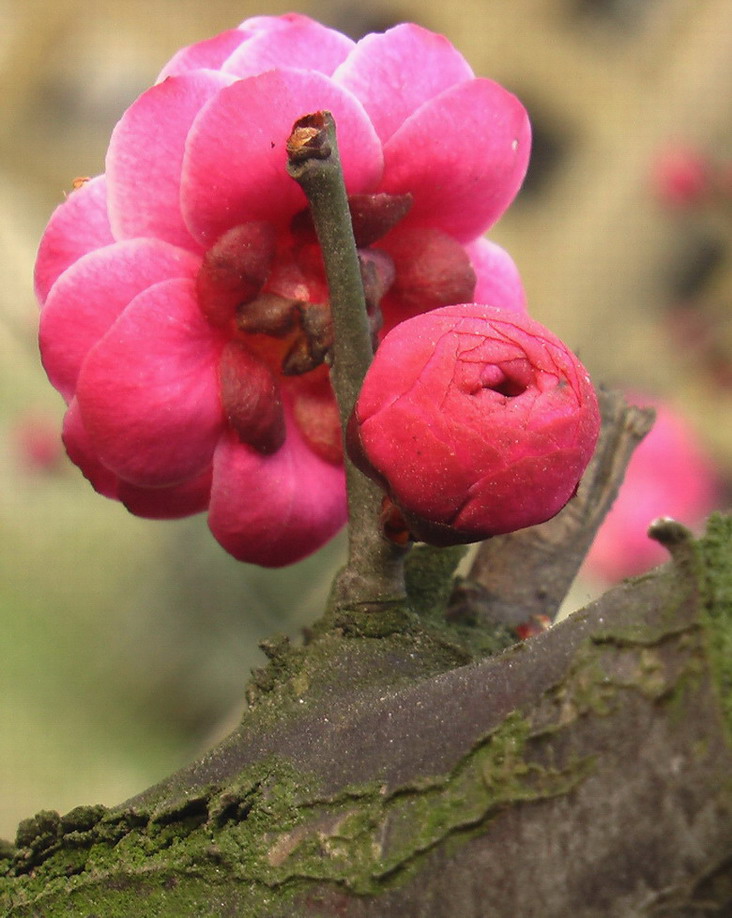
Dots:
pixel 209 54
pixel 151 503
pixel 396 72
pixel 498 279
pixel 145 157
pixel 167 503
pixel 235 168
pixel 81 453
pixel 463 156
pixel 212 53
pixel 275 510
pixel 300 43
pixel 149 391
pixel 91 294
pixel 76 227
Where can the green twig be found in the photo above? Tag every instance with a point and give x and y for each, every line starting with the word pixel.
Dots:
pixel 374 573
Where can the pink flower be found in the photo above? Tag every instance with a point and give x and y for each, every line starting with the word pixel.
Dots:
pixel 476 422
pixel 668 475
pixel 184 308
pixel 681 176
pixel 37 443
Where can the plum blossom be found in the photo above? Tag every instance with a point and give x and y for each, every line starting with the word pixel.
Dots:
pixel 669 474
pixel 185 314
pixel 681 176
pixel 475 421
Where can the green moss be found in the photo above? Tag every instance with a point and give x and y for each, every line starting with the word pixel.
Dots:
pixel 715 549
pixel 701 578
pixel 7 853
pixel 430 641
pixel 429 573
pixel 268 831
pixel 640 658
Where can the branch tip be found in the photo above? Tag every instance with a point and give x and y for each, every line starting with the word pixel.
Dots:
pixel 309 139
pixel 670 533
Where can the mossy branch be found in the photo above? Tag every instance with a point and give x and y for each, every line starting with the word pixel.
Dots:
pixel 380 781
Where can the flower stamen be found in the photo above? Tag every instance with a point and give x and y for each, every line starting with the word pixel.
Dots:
pixel 234 270
pixel 251 398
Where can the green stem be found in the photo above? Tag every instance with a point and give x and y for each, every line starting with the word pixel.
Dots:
pixel 374 573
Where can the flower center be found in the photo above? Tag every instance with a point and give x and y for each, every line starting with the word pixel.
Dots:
pixel 268 293
pixel 511 378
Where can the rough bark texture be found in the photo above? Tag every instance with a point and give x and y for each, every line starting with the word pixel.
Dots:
pixel 398 766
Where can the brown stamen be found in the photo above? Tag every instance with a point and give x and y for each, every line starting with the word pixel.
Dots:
pixel 312 346
pixel 234 270
pixel 268 314
pixel 251 398
pixel 373 215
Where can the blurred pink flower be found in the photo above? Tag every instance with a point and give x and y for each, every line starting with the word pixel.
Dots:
pixel 668 475
pixel 681 176
pixel 38 445
pixel 475 421
pixel 184 313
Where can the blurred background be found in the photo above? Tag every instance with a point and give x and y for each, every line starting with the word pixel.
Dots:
pixel 125 644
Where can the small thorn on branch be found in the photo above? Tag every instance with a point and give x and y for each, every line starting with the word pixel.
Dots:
pixel 678 541
pixel 669 532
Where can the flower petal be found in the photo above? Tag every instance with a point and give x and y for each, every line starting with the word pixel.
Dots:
pixel 463 157
pixel 298 42
pixel 209 54
pixel 146 153
pixel 151 503
pixel 167 503
pixel 81 453
pixel 235 164
pixel 396 72
pixel 275 510
pixel 498 279
pixel 92 293
pixel 494 497
pixel 148 391
pixel 77 226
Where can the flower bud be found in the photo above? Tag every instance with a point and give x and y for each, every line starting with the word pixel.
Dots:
pixel 475 421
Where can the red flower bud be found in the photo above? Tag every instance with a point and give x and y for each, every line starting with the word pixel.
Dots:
pixel 476 422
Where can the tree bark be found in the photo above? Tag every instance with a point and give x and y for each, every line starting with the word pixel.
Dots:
pixel 394 766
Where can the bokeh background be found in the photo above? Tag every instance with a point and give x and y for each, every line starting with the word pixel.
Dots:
pixel 125 644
